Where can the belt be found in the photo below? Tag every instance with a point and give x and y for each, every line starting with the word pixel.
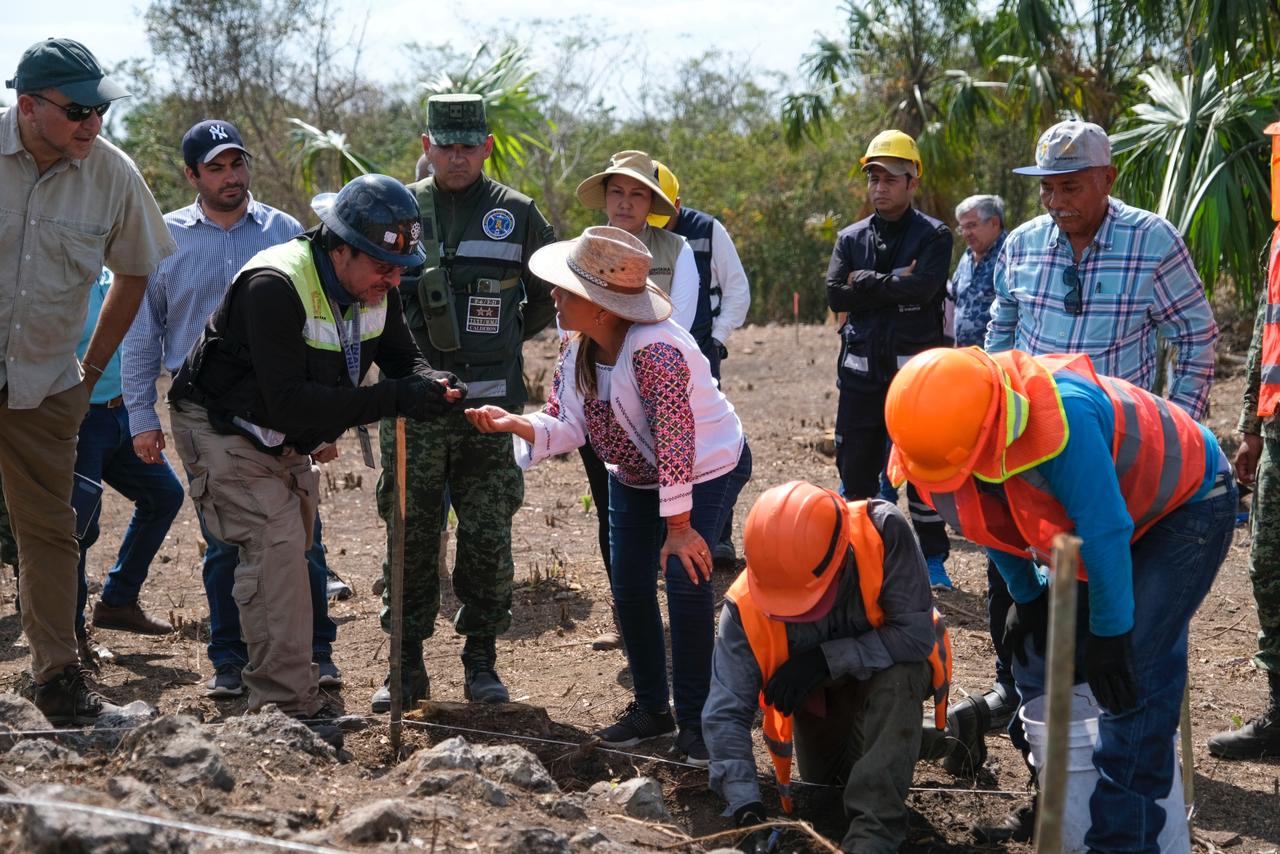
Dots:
pixel 1221 484
pixel 114 403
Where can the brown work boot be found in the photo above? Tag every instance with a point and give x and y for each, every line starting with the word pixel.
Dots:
pixel 93 654
pixel 128 618
pixel 67 700
pixel 609 638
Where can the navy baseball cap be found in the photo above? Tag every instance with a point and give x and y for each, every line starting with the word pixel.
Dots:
pixel 208 139
pixel 69 67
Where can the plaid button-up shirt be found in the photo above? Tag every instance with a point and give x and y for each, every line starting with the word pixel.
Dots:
pixel 1137 280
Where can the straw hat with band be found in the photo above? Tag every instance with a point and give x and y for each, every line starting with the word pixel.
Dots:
pixel 606 266
pixel 633 164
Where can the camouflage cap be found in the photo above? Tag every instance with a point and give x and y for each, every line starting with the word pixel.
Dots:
pixel 456 119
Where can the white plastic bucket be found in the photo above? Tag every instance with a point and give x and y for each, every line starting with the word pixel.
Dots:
pixel 1082 736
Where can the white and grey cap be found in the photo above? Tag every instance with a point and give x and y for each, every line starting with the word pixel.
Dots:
pixel 1069 147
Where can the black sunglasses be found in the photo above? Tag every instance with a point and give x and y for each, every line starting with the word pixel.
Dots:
pixel 76 112
pixel 1073 302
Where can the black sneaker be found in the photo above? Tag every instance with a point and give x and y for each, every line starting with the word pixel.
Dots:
pixel 336 588
pixel 323 722
pixel 67 699
pixel 635 725
pixel 226 682
pixel 689 743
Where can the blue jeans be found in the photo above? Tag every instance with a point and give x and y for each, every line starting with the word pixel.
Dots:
pixel 636 534
pixel 225 644
pixel 104 453
pixel 1174 565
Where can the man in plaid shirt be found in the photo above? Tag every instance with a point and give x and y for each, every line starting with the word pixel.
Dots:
pixel 1096 276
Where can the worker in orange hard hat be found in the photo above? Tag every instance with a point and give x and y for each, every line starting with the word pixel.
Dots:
pixel 1257 462
pixel 831 629
pixel 1012 450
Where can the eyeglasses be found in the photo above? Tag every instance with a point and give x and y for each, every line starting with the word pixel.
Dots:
pixel 76 112
pixel 1073 302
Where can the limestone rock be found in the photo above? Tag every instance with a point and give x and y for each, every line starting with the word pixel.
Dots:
pixel 176 748
pixel 61 829
pixel 381 821
pixel 451 754
pixel 466 784
pixel 639 797
pixel 42 752
pixel 533 840
pixel 566 808
pixel 270 726
pixel 589 838
pixel 18 714
pixel 510 763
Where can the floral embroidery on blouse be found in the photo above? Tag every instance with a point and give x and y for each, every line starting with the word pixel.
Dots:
pixel 665 386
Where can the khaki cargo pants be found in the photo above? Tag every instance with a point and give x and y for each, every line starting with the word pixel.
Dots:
pixel 265 505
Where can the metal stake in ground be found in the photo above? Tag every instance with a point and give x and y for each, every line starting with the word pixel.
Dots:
pixel 1061 668
pixel 396 593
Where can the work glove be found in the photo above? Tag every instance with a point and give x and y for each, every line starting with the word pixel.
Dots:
pixel 1108 667
pixel 722 350
pixel 1023 620
pixel 420 396
pixel 750 815
pixel 793 681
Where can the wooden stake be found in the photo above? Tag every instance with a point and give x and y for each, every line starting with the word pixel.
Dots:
pixel 396 594
pixel 1188 751
pixel 1060 668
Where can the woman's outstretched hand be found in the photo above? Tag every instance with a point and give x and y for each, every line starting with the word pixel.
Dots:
pixel 495 419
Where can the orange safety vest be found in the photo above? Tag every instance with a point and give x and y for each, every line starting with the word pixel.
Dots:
pixel 1158 450
pixel 1269 390
pixel 768 640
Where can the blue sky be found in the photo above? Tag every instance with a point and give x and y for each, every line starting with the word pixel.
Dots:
pixel 770 35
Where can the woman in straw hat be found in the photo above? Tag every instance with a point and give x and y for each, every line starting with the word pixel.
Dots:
pixel 634 384
pixel 628 191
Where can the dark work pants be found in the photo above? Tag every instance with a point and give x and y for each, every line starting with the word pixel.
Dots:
pixel 598 482
pixel 868 742
pixel 860 457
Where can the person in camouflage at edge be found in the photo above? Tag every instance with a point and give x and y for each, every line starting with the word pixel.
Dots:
pixel 469 308
pixel 1259 458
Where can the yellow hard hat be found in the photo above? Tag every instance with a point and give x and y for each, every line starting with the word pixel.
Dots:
pixel 893 143
pixel 670 188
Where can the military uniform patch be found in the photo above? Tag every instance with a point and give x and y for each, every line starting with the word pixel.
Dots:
pixel 484 315
pixel 499 223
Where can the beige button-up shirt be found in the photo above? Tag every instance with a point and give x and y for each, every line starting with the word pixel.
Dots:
pixel 57 231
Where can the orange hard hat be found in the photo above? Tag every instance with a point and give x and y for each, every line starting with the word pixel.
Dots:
pixel 1273 130
pixel 940 412
pixel 796 537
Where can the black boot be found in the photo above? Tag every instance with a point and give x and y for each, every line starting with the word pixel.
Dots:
pixel 1257 739
pixel 415 684
pixel 967 723
pixel 479 660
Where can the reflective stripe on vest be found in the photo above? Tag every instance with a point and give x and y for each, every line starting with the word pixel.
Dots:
pixel 1269 390
pixel 697 228
pixel 768 641
pixel 1159 456
pixel 294 260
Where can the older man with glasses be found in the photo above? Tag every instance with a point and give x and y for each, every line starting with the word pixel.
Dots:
pixel 70 203
pixel 1092 275
pixel 970 290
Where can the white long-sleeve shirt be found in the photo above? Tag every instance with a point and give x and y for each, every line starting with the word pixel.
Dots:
pixel 735 290
pixel 684 288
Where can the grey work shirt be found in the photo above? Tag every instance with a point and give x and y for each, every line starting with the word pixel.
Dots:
pixel 57 231
pixel 853 649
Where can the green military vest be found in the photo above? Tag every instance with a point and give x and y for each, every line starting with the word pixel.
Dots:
pixel 320 331
pixel 665 247
pixel 482 233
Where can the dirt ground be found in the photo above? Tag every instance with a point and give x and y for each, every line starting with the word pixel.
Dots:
pixel 781 381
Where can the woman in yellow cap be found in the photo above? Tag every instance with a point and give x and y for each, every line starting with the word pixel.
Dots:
pixel 634 384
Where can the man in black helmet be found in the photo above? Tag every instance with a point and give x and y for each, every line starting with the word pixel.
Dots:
pixel 271 385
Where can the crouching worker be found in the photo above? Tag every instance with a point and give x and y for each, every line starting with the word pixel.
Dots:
pixel 1012 450
pixel 272 383
pixel 831 630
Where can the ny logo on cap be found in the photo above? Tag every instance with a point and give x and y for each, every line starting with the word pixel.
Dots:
pixel 217 132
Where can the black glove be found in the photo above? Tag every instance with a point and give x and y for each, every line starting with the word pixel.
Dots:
pixel 420 397
pixel 1022 620
pixel 1108 667
pixel 722 350
pixel 749 815
pixel 451 380
pixel 793 681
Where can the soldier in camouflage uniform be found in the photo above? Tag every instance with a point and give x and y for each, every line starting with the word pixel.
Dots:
pixel 1259 458
pixel 469 308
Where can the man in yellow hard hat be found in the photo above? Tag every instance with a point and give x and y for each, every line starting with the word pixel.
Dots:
pixel 831 630
pixel 888 276
pixel 1014 449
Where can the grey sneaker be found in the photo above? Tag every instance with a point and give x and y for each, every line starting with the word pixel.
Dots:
pixel 226 682
pixel 689 743
pixel 330 675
